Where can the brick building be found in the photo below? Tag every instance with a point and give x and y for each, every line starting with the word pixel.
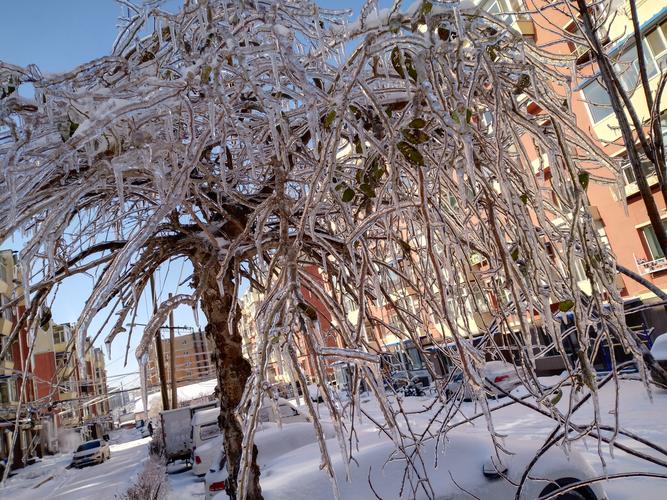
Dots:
pixel 192 358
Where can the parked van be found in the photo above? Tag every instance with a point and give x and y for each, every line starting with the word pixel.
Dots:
pixel 204 427
pixel 211 441
pixel 176 428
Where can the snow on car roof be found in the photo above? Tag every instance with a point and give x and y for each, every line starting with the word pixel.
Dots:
pixel 205 416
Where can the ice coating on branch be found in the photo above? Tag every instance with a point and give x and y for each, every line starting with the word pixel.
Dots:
pixel 158 319
pixel 326 163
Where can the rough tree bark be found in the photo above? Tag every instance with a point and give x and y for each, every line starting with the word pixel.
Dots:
pixel 232 369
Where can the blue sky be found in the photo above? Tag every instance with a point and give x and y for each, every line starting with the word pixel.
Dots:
pixel 57 36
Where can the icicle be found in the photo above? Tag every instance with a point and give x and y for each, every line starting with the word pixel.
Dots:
pixel 212 118
pixel 195 315
pixel 118 175
pixel 469 157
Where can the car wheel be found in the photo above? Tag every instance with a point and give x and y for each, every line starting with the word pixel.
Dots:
pixel 580 493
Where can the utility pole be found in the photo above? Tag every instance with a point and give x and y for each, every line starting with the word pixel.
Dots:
pixel 160 354
pixel 172 361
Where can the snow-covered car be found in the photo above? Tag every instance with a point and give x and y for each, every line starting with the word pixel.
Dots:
pixel 272 441
pixel 502 374
pixel 204 428
pixel 464 469
pixel 91 452
pixel 659 352
pixel 204 454
pixel 314 393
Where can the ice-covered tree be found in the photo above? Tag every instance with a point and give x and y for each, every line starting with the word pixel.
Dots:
pixel 262 139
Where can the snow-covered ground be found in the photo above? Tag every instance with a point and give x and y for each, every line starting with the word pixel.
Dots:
pixel 51 479
pixel 637 414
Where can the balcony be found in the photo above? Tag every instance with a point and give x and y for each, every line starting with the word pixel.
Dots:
pixel 650 266
pixel 6 326
pixel 525 26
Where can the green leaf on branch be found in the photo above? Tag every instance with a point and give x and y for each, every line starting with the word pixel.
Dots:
pixel 515 254
pixel 455 116
pixel 492 50
pixel 206 73
pixel 329 118
pixel 565 305
pixel 407 61
pixel 468 115
pixel 66 133
pixel 556 398
pixel 584 178
pixel 426 7
pixel 367 190
pixel 417 123
pixel 415 136
pixel 348 195
pixel 522 84
pixel 524 198
pixel 410 153
pixel 72 127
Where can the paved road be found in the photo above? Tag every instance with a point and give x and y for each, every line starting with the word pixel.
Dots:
pixel 50 479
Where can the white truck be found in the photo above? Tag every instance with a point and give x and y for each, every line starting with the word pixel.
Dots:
pixel 176 431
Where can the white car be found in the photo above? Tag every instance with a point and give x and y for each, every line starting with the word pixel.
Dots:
pixel 272 442
pixel 203 454
pixel 466 467
pixel 504 375
pixel 91 452
pixel 659 352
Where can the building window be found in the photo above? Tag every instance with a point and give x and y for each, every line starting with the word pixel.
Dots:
pixel 598 102
pixel 627 69
pixel 579 270
pixel 7 391
pixel 506 6
pixel 8 313
pixel 3 342
pixel 656 41
pixel 629 175
pixel 4 275
pixel 59 336
pixel 651 240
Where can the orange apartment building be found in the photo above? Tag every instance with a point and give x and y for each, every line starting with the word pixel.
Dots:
pixel 629 235
pixel 192 358
pixel 53 394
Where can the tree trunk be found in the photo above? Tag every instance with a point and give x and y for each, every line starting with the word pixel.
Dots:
pixel 232 370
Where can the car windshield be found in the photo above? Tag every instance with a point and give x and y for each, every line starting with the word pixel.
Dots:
pixel 88 446
pixel 209 431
